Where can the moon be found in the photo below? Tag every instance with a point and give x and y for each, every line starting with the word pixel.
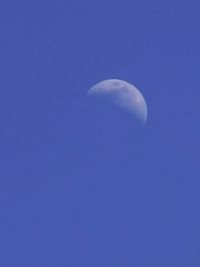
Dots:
pixel 122 94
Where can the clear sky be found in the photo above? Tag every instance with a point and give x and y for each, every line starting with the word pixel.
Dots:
pixel 80 184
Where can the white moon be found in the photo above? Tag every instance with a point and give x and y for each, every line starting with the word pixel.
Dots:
pixel 122 94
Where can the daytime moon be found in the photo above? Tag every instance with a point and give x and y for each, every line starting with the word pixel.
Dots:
pixel 124 95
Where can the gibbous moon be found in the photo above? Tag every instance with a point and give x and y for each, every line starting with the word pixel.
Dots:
pixel 123 95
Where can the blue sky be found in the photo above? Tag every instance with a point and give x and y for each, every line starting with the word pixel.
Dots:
pixel 80 184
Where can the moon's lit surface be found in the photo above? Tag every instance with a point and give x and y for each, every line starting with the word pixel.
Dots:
pixel 122 94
